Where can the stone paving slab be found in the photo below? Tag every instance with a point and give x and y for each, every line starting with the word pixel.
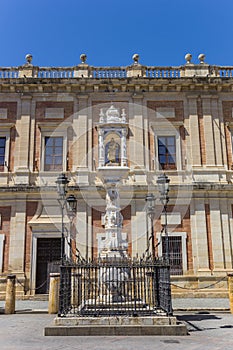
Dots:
pixel 207 331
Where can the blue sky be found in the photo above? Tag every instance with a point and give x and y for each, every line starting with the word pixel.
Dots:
pixel 56 32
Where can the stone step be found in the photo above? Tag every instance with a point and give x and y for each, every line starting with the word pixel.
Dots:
pixel 116 330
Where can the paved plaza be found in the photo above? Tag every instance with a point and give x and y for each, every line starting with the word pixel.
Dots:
pixel 209 323
pixel 207 330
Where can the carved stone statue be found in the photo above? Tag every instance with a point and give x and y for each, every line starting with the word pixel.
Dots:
pixel 113 150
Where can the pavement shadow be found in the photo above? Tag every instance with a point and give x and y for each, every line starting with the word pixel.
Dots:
pixel 191 319
pixel 199 316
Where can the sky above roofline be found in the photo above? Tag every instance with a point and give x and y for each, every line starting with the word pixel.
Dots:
pixel 109 32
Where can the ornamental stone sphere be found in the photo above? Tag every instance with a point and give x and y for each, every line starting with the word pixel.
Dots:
pixel 188 57
pixel 28 58
pixel 83 57
pixel 201 57
pixel 135 57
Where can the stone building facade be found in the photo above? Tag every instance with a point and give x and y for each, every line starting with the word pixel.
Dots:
pixel 179 121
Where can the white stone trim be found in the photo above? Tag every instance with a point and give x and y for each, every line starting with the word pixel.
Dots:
pixel 2 239
pixel 183 236
pixel 172 218
pixel 165 112
pixel 54 113
pixel 3 113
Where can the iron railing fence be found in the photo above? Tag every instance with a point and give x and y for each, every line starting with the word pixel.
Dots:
pixel 113 286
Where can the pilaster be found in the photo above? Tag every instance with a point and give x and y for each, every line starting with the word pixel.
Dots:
pixel 226 233
pixel 208 131
pixel 17 236
pixel 217 234
pixel 199 236
pixel 137 129
pixel 138 227
pixel 82 229
pixel 80 149
pixel 23 125
pixel 217 132
pixel 194 131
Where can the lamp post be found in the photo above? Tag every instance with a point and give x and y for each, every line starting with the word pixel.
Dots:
pixel 150 209
pixel 163 187
pixel 69 202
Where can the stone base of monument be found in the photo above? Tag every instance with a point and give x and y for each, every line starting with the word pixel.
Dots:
pixel 116 325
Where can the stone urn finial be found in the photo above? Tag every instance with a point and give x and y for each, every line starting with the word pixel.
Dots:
pixel 188 58
pixel 135 57
pixel 201 58
pixel 28 58
pixel 83 58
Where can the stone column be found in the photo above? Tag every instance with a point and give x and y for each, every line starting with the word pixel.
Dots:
pixel 23 140
pixel 194 132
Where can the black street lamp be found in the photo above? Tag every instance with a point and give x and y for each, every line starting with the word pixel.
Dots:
pixel 163 187
pixel 150 209
pixel 69 202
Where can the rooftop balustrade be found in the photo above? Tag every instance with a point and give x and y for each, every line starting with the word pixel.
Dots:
pixel 135 70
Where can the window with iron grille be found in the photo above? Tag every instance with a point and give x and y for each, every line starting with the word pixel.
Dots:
pixel 53 159
pixel 2 152
pixel 167 152
pixel 175 254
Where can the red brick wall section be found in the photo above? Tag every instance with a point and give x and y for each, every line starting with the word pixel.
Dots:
pixel 209 237
pixel 11 111
pixel 30 212
pixel 41 106
pixel 5 213
pixel 227 110
pixel 178 105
